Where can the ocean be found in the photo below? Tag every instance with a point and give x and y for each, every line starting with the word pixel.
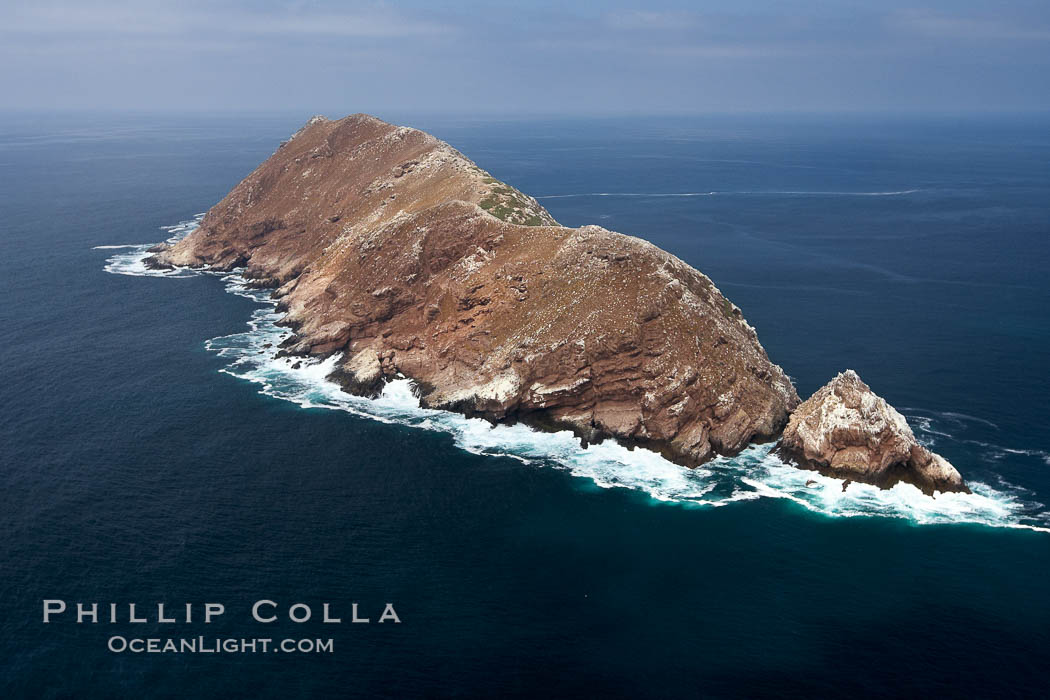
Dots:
pixel 155 451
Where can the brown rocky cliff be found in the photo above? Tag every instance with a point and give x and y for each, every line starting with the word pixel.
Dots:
pixel 392 248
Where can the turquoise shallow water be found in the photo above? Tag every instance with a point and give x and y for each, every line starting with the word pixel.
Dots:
pixel 136 470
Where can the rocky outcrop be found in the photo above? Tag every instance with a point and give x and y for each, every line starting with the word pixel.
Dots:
pixel 391 248
pixel 845 430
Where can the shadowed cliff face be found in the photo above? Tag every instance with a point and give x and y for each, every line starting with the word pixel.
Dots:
pixel 393 249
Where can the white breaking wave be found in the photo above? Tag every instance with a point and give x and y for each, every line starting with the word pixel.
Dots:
pixel 753 474
pixel 800 193
pixel 133 262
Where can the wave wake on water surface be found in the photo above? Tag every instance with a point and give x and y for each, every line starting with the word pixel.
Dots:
pixel 753 474
pixel 796 193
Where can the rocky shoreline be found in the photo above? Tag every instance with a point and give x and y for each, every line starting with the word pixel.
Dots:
pixel 387 246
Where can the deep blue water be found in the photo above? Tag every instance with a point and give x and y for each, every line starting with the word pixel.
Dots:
pixel 134 471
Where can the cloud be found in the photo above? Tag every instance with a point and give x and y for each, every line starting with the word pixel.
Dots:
pixel 345 25
pixel 58 19
pixel 651 20
pixel 671 55
pixel 122 19
pixel 943 26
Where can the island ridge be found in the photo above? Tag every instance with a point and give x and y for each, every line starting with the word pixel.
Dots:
pixel 390 248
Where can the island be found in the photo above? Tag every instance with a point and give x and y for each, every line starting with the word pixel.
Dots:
pixel 391 249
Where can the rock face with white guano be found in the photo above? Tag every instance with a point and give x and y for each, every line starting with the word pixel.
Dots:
pixel 845 430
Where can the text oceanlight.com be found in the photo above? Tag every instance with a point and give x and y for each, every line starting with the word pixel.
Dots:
pixel 216 645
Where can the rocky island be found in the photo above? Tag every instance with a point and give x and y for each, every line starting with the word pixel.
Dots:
pixel 393 250
pixel 845 430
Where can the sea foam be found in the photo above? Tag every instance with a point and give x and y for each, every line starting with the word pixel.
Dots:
pixel 133 261
pixel 753 474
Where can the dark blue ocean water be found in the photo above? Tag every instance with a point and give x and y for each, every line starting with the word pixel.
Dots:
pixel 914 251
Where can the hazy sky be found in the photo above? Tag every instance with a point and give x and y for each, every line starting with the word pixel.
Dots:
pixel 526 57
